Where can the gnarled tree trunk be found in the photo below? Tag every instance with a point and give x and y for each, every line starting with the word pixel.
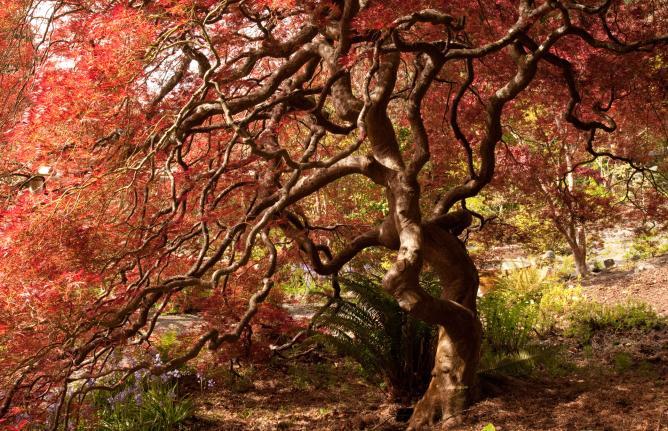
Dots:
pixel 459 334
pixel 458 349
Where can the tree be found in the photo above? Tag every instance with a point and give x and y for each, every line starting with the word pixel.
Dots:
pixel 547 170
pixel 552 187
pixel 184 151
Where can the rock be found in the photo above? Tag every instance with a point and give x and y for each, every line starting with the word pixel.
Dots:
pixel 549 255
pixel 609 263
pixel 514 264
pixel 644 266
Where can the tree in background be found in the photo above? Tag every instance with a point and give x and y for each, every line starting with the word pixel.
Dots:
pixel 219 141
pixel 549 175
pixel 551 195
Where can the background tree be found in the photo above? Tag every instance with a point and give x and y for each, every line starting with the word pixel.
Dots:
pixel 185 150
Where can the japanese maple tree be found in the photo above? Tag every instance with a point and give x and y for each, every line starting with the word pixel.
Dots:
pixel 199 146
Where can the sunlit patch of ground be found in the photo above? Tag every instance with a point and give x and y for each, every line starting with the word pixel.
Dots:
pixel 647 281
pixel 291 396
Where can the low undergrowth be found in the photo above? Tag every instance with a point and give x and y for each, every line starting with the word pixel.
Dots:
pixel 148 405
pixel 372 329
pixel 521 315
pixel 144 403
pixel 591 317
pixel 528 306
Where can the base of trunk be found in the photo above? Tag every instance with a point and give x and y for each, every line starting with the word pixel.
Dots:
pixel 453 377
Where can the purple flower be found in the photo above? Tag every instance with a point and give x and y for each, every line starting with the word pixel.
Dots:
pixel 22 416
pixel 174 374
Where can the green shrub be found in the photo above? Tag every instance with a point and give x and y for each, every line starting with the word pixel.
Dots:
pixel 372 329
pixel 590 317
pixel 557 302
pixel 646 246
pixel 509 313
pixel 143 405
pixel 167 342
pixel 523 304
pixel 565 267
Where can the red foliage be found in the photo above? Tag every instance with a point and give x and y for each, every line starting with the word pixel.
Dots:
pixel 181 150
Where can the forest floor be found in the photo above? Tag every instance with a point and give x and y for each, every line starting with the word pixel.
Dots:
pixel 618 381
pixel 646 282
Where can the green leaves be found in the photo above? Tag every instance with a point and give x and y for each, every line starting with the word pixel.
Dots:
pixel 155 407
pixel 371 328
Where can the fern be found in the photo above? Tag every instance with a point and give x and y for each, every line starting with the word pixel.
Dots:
pixel 371 328
pixel 520 363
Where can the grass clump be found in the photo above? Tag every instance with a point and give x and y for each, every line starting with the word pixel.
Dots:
pixel 590 317
pixel 143 405
pixel 511 315
pixel 646 246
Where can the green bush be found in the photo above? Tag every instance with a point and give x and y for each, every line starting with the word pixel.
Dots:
pixel 143 405
pixel 524 306
pixel 646 246
pixel 372 329
pixel 565 266
pixel 557 302
pixel 590 317
pixel 510 312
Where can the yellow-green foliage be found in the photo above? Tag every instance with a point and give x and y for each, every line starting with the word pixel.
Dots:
pixel 529 301
pixel 646 246
pixel 588 317
pixel 510 312
pixel 557 302
pixel 167 343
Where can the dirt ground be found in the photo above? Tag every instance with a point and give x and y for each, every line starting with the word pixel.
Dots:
pixel 620 383
pixel 646 282
pixel 617 383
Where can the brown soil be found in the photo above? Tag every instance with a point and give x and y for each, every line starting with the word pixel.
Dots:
pixel 646 282
pixel 618 382
pixel 306 395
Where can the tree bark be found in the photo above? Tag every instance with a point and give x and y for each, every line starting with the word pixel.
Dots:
pixel 459 333
pixel 576 237
pixel 580 257
pixel 577 240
